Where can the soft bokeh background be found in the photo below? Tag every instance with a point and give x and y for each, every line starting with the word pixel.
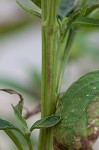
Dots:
pixel 20 61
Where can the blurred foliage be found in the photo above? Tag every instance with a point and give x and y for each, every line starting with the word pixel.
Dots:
pixel 17 20
pixel 5 29
pixel 31 88
pixel 86 42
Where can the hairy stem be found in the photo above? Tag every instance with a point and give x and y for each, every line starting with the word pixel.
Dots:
pixel 49 66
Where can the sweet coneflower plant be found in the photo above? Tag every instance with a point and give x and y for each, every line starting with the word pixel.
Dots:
pixel 69 120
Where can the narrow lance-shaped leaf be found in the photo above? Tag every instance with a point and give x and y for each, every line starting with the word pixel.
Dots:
pixel 21 120
pixel 5 125
pixel 29 7
pixel 78 107
pixel 80 13
pixel 37 2
pixel 18 108
pixel 91 8
pixel 46 122
pixel 86 22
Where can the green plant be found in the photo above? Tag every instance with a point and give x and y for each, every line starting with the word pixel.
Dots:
pixel 69 120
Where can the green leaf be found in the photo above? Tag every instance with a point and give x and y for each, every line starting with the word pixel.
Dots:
pixel 78 108
pixel 79 13
pixel 86 22
pixel 21 120
pixel 14 138
pixel 92 8
pixel 37 2
pixel 46 122
pixel 65 8
pixel 5 125
pixel 19 107
pixel 29 7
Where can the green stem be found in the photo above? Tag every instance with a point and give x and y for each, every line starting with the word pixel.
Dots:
pixel 49 142
pixel 65 56
pixel 49 66
pixel 27 137
pixel 67 51
pixel 61 49
pixel 14 138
